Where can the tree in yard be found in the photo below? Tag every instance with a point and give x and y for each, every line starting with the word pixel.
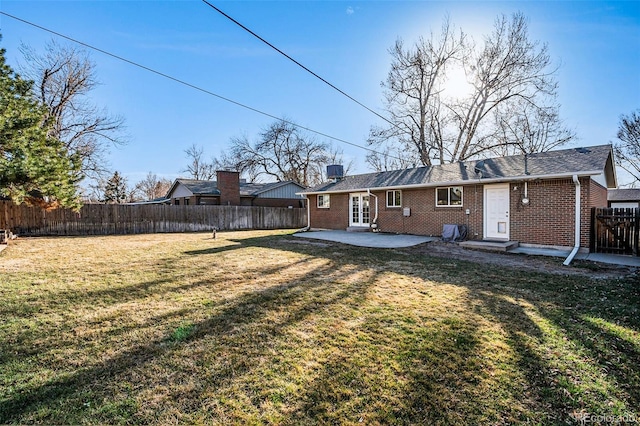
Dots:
pixel 35 167
pixel 509 107
pixel 116 190
pixel 152 187
pixel 199 168
pixel 524 129
pixel 412 92
pixel 64 78
pixel 627 147
pixel 283 152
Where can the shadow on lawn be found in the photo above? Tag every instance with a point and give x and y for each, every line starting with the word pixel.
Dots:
pixel 244 311
pixel 569 383
pixel 437 373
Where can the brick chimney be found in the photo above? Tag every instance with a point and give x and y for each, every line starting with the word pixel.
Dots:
pixel 229 187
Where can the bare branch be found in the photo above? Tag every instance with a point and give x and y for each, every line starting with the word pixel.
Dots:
pixel 65 77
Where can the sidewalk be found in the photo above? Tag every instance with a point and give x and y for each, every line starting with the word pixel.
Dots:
pixel 613 259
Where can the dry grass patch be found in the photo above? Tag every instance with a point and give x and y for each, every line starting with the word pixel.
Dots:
pixel 261 328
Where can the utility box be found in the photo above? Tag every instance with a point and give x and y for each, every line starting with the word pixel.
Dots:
pixel 406 211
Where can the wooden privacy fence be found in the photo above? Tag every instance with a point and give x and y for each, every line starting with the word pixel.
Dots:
pixel 615 231
pixel 107 219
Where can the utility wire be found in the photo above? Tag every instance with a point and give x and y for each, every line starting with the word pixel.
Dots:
pixel 193 86
pixel 296 62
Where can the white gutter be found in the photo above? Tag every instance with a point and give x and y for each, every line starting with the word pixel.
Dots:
pixel 375 218
pixel 576 245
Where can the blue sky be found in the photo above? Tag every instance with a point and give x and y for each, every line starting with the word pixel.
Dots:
pixel 596 44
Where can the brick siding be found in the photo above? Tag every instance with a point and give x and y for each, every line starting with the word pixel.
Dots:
pixel 335 217
pixel 425 217
pixel 548 218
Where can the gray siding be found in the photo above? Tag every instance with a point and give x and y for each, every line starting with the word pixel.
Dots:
pixel 285 191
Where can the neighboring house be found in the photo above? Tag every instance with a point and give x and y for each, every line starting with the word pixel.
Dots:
pixel 624 198
pixel 161 200
pixel 530 199
pixel 229 189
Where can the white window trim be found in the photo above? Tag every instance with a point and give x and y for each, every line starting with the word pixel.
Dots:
pixel 448 188
pixel 328 197
pixel 387 200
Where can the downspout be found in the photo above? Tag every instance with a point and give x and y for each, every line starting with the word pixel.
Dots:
pixel 375 217
pixel 306 228
pixel 576 245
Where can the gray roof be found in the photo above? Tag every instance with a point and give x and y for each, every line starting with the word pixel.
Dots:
pixel 200 187
pixel 210 187
pixel 591 160
pixel 623 195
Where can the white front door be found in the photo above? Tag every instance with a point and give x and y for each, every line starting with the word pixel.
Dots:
pixel 359 212
pixel 496 212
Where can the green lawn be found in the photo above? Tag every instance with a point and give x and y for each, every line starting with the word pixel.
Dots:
pixel 263 328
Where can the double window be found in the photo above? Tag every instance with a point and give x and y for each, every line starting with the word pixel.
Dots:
pixel 324 201
pixel 394 198
pixel 449 197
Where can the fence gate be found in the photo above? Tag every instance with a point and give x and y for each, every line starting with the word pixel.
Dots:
pixel 615 231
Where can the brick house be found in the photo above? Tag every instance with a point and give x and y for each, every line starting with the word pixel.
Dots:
pixel 530 199
pixel 229 189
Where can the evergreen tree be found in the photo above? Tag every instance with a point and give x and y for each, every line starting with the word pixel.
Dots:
pixel 34 168
pixel 115 190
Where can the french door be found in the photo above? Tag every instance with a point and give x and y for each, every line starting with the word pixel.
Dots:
pixel 359 209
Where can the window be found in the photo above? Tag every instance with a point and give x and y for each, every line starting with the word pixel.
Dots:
pixel 449 197
pixel 323 201
pixel 394 198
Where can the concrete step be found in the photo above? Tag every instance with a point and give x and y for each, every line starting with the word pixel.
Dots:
pixel 490 245
pixel 358 229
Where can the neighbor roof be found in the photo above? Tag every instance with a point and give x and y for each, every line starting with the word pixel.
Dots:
pixel 199 187
pixel 623 195
pixel 210 187
pixel 589 161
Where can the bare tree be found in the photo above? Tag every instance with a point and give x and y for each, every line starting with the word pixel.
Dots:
pixel 524 128
pixel 391 158
pixel 282 153
pixel 627 147
pixel 198 168
pixel 509 69
pixel 64 78
pixel 413 94
pixel 152 187
pixel 510 107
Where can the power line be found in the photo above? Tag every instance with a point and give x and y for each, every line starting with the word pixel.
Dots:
pixel 296 62
pixel 192 86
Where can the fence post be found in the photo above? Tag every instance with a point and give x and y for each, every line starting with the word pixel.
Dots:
pixel 592 233
pixel 636 231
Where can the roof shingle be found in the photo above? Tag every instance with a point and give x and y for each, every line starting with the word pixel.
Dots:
pixel 589 160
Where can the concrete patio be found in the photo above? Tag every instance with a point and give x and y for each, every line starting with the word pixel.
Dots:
pixel 367 239
pixel 383 240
